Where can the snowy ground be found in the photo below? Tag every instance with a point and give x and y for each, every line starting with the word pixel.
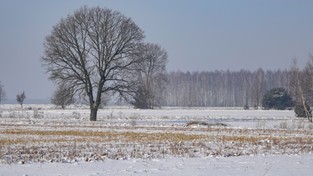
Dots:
pixel 44 140
pixel 232 166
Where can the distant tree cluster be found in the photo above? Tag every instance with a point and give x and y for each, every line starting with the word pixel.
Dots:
pixel 222 88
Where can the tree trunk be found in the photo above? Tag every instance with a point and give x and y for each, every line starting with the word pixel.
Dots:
pixel 94 106
pixel 93 113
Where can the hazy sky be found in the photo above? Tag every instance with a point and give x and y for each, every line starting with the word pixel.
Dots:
pixel 197 34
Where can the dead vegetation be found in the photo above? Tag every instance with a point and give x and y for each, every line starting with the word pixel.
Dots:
pixel 65 140
pixel 87 143
pixel 44 136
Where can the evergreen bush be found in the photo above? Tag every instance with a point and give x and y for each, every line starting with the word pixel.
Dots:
pixel 277 98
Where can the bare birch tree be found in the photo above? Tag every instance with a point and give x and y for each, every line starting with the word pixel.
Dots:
pixel 308 81
pixel 91 51
pixel 298 85
pixel 258 87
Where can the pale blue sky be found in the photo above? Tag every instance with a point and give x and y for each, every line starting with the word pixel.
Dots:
pixel 197 34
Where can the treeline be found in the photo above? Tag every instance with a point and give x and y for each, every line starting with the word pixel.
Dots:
pixel 222 88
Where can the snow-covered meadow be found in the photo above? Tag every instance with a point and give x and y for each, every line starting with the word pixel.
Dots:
pixel 44 140
pixel 233 166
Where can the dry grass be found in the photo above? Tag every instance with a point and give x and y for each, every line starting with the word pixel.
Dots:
pixel 21 136
pixel 26 136
pixel 39 144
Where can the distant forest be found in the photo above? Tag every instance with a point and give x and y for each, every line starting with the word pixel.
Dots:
pixel 222 88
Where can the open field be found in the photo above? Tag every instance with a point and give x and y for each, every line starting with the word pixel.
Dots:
pixel 43 134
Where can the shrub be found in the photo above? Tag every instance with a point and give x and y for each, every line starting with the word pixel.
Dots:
pixel 143 98
pixel 299 110
pixel 277 98
pixel 20 98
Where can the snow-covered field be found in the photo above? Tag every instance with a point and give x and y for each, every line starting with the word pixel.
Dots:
pixel 44 140
pixel 234 166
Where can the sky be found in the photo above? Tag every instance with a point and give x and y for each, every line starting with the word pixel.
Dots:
pixel 198 35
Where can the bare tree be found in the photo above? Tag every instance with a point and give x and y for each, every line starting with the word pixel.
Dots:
pixel 63 96
pixel 2 93
pixel 92 52
pixel 151 75
pixel 20 98
pixel 298 86
pixel 308 81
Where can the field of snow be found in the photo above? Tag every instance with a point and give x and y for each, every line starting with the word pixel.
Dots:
pixel 44 140
pixel 233 166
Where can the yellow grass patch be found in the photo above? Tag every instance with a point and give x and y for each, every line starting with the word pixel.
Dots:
pixel 35 136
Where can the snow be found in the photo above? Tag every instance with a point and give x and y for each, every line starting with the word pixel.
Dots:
pixel 247 165
pixel 44 140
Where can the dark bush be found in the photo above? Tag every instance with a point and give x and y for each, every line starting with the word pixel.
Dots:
pixel 299 110
pixel 143 98
pixel 277 98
